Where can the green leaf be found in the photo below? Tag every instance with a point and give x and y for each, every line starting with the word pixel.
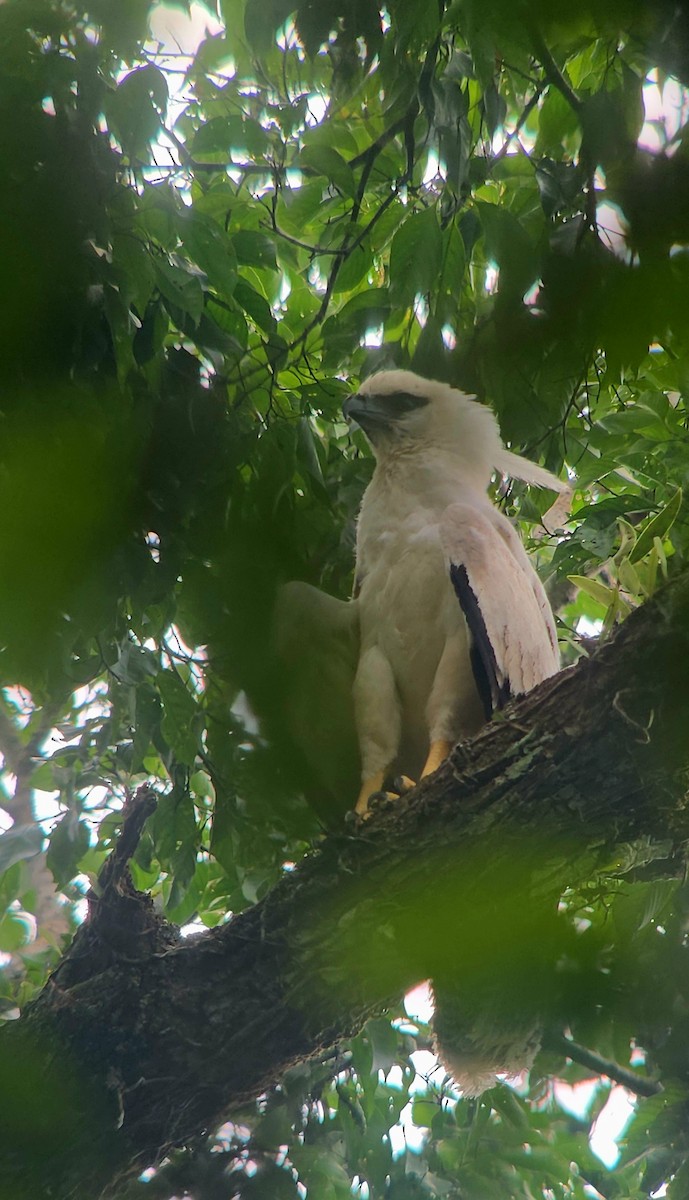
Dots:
pixel 598 591
pixel 180 286
pixel 255 305
pixel 262 18
pixel 597 537
pixel 509 246
pixel 383 1038
pixel 299 207
pixel 429 352
pixel 202 785
pixel 273 1130
pixel 642 904
pixel 212 250
pixel 69 841
pixel 364 311
pixel 232 12
pixel 179 715
pixel 134 267
pixel 355 267
pixel 254 249
pixel 122 328
pixel 231 322
pixel 215 51
pixel 325 160
pixel 137 109
pixel 307 454
pixel 605 124
pixel 134 664
pixel 415 257
pixel 658 527
pixel 557 121
pixel 454 259
pixel 15 932
pixel 417 23
pixel 19 843
pixel 424 1112
pixel 214 138
pixel 629 578
pixel 510 1108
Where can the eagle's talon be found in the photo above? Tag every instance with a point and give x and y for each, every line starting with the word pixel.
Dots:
pixel 402 784
pixel 375 802
pixel 381 798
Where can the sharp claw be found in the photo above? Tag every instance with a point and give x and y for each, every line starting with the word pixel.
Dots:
pixel 389 791
pixel 378 798
pixel 402 784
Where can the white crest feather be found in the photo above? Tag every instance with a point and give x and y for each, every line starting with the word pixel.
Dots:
pixel 518 467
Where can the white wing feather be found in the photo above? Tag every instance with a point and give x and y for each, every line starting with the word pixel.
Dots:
pixel 514 643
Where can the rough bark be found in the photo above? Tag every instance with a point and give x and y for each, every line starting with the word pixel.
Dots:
pixel 164 1037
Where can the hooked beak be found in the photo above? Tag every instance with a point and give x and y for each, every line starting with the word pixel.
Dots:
pixel 352 407
pixel 370 412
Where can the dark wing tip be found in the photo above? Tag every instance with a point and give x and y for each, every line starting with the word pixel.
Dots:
pixel 493 690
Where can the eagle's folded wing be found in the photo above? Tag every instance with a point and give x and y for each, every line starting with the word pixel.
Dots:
pixel 316 641
pixel 511 628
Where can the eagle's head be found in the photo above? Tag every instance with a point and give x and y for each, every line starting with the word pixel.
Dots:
pixel 398 409
pixel 403 414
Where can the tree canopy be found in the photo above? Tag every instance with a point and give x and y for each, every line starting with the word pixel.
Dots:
pixel 203 253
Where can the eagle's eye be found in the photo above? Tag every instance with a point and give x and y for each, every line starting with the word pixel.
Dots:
pixel 378 411
pixel 404 401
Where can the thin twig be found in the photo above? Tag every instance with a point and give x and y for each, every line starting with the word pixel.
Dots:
pixel 553 73
pixel 381 141
pixel 523 118
pixel 639 1084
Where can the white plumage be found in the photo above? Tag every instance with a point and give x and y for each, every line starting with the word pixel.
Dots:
pixel 449 620
pixel 453 618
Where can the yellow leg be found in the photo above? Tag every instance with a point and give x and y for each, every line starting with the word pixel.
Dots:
pixel 436 755
pixel 368 787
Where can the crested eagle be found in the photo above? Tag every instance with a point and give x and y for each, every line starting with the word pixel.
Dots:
pixel 448 619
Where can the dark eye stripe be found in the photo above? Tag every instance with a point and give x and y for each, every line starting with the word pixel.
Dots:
pixel 404 401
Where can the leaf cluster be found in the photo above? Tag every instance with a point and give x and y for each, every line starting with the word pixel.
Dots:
pixel 203 252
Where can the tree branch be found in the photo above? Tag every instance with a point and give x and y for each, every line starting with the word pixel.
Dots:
pixel 553 73
pixel 174 1033
pixel 521 122
pixel 602 1066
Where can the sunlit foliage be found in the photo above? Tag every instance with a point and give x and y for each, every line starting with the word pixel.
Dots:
pixel 201 254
